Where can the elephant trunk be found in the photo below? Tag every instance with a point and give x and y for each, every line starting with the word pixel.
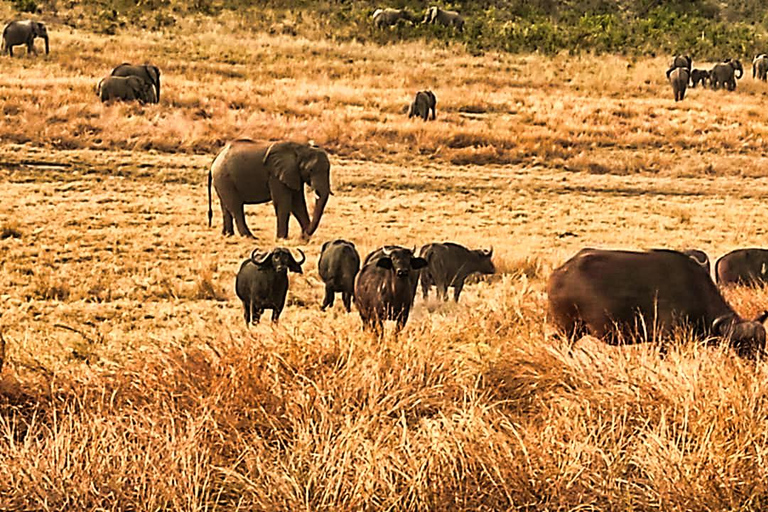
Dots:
pixel 45 38
pixel 320 203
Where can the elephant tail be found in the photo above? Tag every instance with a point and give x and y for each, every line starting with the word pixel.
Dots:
pixel 210 210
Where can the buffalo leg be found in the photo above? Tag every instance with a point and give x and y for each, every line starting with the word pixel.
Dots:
pixel 247 312
pixel 276 314
pixel 442 291
pixel 347 298
pixel 457 290
pixel 328 300
pixel 256 315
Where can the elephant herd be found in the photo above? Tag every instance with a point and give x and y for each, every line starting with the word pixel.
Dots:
pixel 383 288
pixel 126 82
pixel 389 17
pixel 724 74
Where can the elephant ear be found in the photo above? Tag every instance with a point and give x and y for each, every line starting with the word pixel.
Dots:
pixel 283 163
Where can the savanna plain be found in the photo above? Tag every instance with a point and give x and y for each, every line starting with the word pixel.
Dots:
pixel 131 382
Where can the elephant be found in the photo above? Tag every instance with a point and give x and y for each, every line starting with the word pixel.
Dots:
pixel 699 76
pixel 446 18
pixel 17 33
pixel 422 104
pixel 150 74
pixel 680 61
pixel 389 17
pixel 125 88
pixel 679 80
pixel 249 172
pixel 760 67
pixel 724 74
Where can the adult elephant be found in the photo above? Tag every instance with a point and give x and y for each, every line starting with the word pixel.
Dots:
pixel 150 74
pixel 680 61
pixel 248 172
pixel 724 74
pixel 125 88
pixel 760 67
pixel 679 80
pixel 389 17
pixel 17 33
pixel 446 18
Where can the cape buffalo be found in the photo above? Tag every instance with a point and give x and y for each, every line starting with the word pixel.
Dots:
pixel 386 286
pixel 699 257
pixel 338 265
pixel 262 282
pixel 615 295
pixel 449 264
pixel 743 266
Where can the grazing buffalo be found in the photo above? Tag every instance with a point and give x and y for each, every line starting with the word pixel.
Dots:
pixel 262 282
pixel 386 286
pixel 449 264
pixel 338 265
pixel 743 266
pixel 699 257
pixel 614 295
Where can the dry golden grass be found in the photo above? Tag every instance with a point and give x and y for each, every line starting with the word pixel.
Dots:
pixel 131 382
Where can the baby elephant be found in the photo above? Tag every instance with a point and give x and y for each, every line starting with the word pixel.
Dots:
pixel 338 265
pixel 699 76
pixel 422 104
pixel 125 88
pixel 262 282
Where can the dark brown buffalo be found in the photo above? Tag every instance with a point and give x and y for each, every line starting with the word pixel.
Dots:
pixel 449 264
pixel 386 286
pixel 618 295
pixel 262 282
pixel 743 266
pixel 338 265
pixel 699 257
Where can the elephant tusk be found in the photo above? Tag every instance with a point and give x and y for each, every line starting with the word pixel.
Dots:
pixel 269 149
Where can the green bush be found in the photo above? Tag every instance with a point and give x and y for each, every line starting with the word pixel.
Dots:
pixel 26 6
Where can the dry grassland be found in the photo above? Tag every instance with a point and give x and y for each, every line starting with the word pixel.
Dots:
pixel 131 382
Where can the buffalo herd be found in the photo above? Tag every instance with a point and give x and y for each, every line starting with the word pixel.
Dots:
pixel 383 288
pixel 620 297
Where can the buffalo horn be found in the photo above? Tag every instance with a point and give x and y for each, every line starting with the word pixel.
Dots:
pixel 303 257
pixel 701 262
pixel 489 252
pixel 719 321
pixel 259 258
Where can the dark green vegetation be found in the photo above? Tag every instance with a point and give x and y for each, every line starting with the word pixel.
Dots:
pixel 705 28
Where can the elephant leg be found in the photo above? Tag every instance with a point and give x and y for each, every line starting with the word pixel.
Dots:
pixel 226 217
pixel 346 297
pixel 282 201
pixel 328 300
pixel 242 227
pixel 299 210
